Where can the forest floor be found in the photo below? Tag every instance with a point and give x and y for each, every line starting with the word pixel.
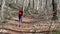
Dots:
pixel 28 26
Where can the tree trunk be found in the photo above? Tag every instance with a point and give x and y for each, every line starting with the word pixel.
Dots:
pixel 54 4
pixel 37 4
pixel 23 3
pixel 1 3
pixel 29 4
pixel 2 9
pixel 2 12
pixel 46 4
pixel 33 3
pixel 14 1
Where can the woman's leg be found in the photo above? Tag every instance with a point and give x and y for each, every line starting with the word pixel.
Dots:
pixel 20 21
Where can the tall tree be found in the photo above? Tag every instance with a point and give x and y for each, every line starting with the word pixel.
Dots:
pixel 54 4
pixel 1 3
pixel 14 1
pixel 46 4
pixel 33 3
pixel 29 4
pixel 2 12
pixel 23 4
pixel 37 4
pixel 2 9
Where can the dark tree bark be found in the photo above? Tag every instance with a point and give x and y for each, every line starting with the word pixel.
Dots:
pixel 46 5
pixel 46 2
pixel 54 4
pixel 33 3
pixel 29 4
pixel 1 3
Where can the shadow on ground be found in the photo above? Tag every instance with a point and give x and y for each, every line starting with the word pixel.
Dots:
pixel 4 33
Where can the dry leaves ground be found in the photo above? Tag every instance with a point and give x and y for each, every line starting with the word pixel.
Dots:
pixel 28 26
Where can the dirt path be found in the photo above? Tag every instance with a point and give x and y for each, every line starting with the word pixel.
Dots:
pixel 28 25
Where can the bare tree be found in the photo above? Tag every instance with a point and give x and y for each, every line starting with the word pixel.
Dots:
pixel 14 1
pixel 37 4
pixel 1 3
pixel 29 4
pixel 2 9
pixel 33 3
pixel 23 4
pixel 54 4
pixel 2 12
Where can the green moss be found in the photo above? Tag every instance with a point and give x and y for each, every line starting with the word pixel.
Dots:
pixel 57 32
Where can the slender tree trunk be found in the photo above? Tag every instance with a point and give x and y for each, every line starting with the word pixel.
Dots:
pixel 23 4
pixel 29 4
pixel 42 4
pixel 46 4
pixel 37 4
pixel 33 3
pixel 2 9
pixel 15 1
pixel 54 4
pixel 1 3
pixel 2 12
